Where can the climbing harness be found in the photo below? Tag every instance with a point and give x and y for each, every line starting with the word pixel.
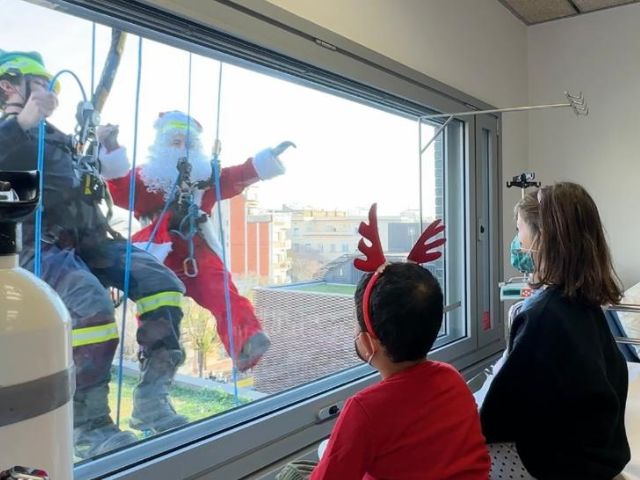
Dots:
pixel 190 217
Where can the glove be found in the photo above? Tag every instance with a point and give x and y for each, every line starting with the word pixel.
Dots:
pixel 39 105
pixel 107 135
pixel 267 163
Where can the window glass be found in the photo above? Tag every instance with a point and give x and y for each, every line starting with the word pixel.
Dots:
pixel 261 233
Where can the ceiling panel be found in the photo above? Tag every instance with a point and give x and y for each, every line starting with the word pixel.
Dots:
pixel 591 5
pixel 537 11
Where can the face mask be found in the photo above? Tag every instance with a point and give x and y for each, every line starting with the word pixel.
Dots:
pixel 521 259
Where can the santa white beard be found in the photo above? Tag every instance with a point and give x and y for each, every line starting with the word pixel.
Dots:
pixel 160 172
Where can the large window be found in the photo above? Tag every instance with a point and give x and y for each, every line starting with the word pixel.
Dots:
pixel 274 333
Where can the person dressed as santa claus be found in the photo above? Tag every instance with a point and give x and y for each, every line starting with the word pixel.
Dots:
pixel 175 191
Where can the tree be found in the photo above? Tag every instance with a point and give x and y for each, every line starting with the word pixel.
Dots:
pixel 199 331
pixel 303 266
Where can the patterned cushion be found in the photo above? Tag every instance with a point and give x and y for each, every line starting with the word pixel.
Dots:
pixel 631 321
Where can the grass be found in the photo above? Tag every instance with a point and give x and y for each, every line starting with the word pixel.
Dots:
pixel 336 288
pixel 193 403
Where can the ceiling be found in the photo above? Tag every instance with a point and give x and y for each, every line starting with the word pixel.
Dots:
pixel 538 11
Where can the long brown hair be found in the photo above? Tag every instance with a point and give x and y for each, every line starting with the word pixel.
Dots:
pixel 573 254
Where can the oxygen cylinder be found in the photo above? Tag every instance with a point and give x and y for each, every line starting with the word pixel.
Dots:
pixel 37 378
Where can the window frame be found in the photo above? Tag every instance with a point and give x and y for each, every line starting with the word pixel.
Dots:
pixel 263 37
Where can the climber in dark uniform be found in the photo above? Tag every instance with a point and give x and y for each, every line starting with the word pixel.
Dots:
pixel 80 256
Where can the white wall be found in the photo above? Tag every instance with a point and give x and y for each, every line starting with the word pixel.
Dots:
pixel 476 46
pixel 598 53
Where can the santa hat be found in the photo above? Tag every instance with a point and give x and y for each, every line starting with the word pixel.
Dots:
pixel 169 123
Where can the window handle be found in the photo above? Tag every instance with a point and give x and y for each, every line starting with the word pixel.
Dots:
pixel 330 411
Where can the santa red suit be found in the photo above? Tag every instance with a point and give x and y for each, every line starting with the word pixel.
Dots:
pixel 154 181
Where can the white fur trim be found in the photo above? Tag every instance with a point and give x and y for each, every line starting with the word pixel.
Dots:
pixel 115 164
pixel 267 165
pixel 158 250
pixel 208 232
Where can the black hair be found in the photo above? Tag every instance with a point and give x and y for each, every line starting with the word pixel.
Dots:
pixel 405 308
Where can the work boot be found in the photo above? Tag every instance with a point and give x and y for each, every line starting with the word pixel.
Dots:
pixel 94 432
pixel 152 410
pixel 252 351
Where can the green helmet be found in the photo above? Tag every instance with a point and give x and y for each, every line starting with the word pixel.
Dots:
pixel 25 63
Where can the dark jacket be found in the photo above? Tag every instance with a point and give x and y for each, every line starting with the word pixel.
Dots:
pixel 560 395
pixel 65 214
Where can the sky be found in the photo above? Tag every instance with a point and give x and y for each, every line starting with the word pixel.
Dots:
pixel 348 155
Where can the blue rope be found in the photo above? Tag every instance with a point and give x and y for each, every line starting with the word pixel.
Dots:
pixel 93 56
pixel 162 214
pixel 225 275
pixel 191 213
pixel 40 167
pixel 189 107
pixel 132 194
pixel 38 226
pixel 215 165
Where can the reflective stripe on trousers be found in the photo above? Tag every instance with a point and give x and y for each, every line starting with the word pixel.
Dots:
pixel 159 300
pixel 96 334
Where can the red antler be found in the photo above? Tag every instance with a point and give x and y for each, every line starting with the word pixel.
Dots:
pixel 374 254
pixel 422 251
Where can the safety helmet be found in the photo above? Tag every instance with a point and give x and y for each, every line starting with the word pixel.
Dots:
pixel 175 121
pixel 25 63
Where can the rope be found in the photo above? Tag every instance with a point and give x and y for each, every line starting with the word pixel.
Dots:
pixel 127 268
pixel 227 296
pixel 189 105
pixel 93 56
pixel 172 193
pixel 191 214
pixel 40 167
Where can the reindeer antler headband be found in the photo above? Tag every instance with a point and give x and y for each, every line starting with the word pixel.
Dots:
pixel 423 251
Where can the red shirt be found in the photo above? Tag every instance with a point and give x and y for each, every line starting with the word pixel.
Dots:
pixel 421 423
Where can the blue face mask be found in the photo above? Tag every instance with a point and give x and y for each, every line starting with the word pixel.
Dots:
pixel 521 259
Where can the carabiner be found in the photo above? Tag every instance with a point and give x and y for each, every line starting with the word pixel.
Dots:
pixel 190 267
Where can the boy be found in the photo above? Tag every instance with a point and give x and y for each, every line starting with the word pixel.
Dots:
pixel 420 421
